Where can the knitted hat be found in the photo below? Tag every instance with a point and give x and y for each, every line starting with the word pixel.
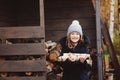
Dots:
pixel 75 27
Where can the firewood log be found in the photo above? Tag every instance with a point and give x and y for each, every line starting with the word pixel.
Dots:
pixel 50 45
pixel 75 56
pixel 28 73
pixel 53 56
pixel 50 66
pixel 3 74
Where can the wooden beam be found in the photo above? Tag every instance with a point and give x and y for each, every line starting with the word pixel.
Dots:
pixel 94 3
pixel 99 40
pixel 24 78
pixel 42 20
pixel 22 49
pixel 109 44
pixel 111 51
pixel 21 32
pixel 22 65
pixel 41 9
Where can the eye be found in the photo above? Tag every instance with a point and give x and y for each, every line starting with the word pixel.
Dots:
pixel 72 33
pixel 77 33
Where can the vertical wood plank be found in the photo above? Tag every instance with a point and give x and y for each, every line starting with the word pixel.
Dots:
pixel 41 9
pixel 98 31
pixel 42 21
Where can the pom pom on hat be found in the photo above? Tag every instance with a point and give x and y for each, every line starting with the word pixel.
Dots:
pixel 75 27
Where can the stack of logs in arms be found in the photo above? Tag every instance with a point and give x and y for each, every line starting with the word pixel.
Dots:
pixel 52 50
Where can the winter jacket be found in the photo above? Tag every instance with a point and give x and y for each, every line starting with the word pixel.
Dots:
pixel 74 70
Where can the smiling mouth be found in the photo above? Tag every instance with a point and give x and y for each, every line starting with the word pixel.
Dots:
pixel 74 38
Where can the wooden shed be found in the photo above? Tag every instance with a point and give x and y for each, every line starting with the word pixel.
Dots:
pixel 60 13
pixel 27 24
pixel 22 52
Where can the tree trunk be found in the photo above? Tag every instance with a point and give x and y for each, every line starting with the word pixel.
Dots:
pixel 111 28
pixel 119 19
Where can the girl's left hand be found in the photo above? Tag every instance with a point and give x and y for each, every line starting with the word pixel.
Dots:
pixel 82 60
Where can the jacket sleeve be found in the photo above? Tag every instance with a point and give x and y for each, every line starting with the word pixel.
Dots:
pixel 87 41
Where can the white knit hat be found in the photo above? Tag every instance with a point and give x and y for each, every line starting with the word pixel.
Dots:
pixel 75 27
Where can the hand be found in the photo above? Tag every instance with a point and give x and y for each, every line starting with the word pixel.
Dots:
pixel 82 59
pixel 71 57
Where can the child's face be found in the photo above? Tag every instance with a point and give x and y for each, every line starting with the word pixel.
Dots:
pixel 74 37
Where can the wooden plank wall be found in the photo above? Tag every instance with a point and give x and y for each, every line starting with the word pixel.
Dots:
pixel 22 55
pixel 60 13
pixel 58 16
pixel 7 13
pixel 28 12
pixel 19 13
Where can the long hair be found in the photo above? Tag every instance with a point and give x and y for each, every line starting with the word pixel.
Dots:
pixel 70 44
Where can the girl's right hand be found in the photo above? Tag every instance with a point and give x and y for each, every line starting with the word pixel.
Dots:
pixel 71 58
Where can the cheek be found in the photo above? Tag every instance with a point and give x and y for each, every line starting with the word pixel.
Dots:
pixel 74 37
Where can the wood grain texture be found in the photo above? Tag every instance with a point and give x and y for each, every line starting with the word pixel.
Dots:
pixel 21 32
pixel 22 65
pixel 24 78
pixel 22 49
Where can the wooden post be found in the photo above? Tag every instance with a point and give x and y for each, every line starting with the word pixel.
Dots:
pixel 42 21
pixel 98 31
pixel 109 44
pixel 118 69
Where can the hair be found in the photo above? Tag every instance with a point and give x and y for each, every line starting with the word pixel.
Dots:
pixel 70 44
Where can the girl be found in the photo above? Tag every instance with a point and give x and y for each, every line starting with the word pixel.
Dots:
pixel 74 42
